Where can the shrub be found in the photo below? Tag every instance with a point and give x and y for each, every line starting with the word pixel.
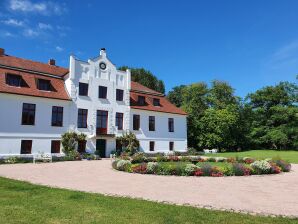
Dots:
pixel 240 170
pixel 129 142
pixel 216 172
pixel 123 165
pixel 138 158
pixel 69 141
pixel 11 160
pixel 161 158
pixel 186 159
pixel 198 172
pixel 261 166
pixel 190 169
pixel 285 167
pixel 275 169
pixel 206 169
pixel 231 160
pixel 140 168
pixel 173 158
pixel 211 159
pixel 227 170
pixel 152 167
pixel 248 160
pixel 72 155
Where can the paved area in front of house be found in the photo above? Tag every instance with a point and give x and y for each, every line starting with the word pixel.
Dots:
pixel 270 194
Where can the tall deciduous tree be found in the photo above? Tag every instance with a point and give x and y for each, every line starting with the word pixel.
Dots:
pixel 146 78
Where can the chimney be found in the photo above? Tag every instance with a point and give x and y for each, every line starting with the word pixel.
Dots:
pixel 52 62
pixel 103 52
pixel 2 51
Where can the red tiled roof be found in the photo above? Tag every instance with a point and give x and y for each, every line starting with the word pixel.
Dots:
pixel 26 64
pixel 165 106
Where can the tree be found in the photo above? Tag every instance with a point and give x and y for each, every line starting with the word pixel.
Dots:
pixel 146 78
pixel 275 121
pixel 175 95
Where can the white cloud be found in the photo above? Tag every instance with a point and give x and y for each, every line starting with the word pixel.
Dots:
pixel 59 49
pixel 13 22
pixel 6 34
pixel 44 26
pixel 27 6
pixel 30 33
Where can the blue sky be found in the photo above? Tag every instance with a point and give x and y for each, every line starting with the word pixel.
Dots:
pixel 244 42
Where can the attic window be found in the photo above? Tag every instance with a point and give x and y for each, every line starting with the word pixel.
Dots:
pixel 156 102
pixel 141 100
pixel 43 84
pixel 15 80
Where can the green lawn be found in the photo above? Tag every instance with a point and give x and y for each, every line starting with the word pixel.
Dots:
pixel 289 156
pixel 21 202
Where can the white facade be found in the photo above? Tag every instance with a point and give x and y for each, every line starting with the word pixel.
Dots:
pixel 161 136
pixel 90 72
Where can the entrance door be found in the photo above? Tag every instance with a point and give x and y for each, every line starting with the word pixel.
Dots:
pixel 101 147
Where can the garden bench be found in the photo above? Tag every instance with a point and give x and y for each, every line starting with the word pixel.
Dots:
pixel 45 157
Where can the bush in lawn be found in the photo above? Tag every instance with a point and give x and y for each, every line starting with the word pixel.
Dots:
pixel 285 167
pixel 227 170
pixel 138 158
pixel 216 172
pixel 123 165
pixel 211 159
pixel 240 170
pixel 152 167
pixel 231 160
pixel 261 167
pixel 140 168
pixel 206 169
pixel 161 158
pixel 190 169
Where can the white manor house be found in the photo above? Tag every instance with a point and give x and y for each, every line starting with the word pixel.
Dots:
pixel 39 102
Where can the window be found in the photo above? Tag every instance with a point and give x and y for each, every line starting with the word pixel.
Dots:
pixel 82 146
pixel 28 114
pixel 119 94
pixel 156 102
pixel 26 146
pixel 43 84
pixel 141 100
pixel 171 124
pixel 136 122
pixel 119 121
pixel 102 92
pixel 14 80
pixel 171 146
pixel 83 89
pixel 55 146
pixel 151 145
pixel 82 118
pixel 57 116
pixel 102 122
pixel 151 123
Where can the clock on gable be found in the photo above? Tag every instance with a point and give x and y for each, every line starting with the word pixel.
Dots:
pixel 102 65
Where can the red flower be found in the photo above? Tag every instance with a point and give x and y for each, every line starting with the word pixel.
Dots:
pixel 198 172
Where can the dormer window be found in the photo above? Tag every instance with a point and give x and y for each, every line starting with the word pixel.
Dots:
pixel 141 100
pixel 43 84
pixel 14 80
pixel 156 102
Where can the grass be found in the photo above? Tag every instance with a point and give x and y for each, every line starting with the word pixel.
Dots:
pixel 289 156
pixel 21 202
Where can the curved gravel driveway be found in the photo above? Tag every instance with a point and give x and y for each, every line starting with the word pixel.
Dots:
pixel 269 194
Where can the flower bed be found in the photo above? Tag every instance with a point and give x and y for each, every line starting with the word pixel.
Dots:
pixel 199 165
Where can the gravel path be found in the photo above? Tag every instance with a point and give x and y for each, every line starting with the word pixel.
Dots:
pixel 268 194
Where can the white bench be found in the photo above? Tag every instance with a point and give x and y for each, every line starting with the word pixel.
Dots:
pixel 45 157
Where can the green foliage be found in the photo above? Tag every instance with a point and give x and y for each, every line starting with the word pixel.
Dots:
pixel 217 118
pixel 129 142
pixel 69 141
pixel 145 78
